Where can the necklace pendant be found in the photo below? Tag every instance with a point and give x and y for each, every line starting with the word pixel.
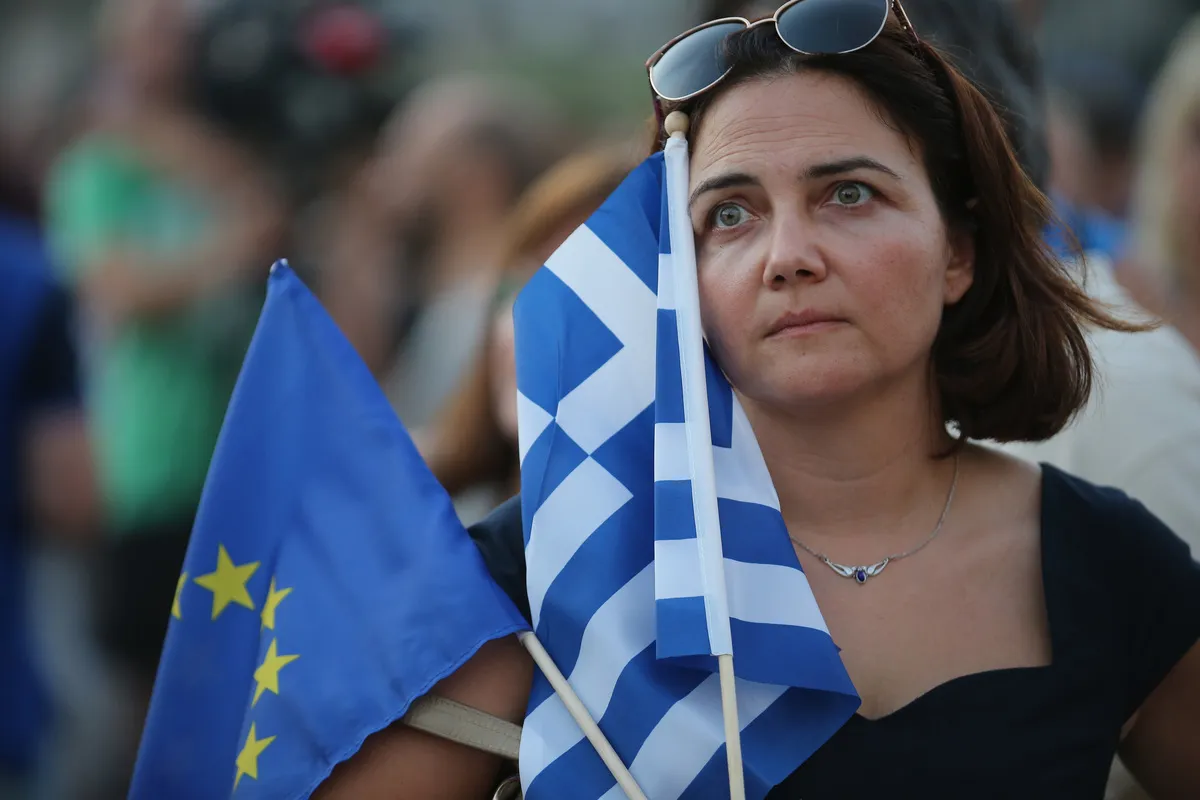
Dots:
pixel 859 575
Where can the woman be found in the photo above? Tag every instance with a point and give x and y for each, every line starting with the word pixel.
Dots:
pixel 870 202
pixel 472 444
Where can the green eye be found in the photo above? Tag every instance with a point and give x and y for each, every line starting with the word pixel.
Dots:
pixel 852 193
pixel 729 215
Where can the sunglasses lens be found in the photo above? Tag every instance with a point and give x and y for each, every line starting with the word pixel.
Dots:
pixel 823 27
pixel 693 63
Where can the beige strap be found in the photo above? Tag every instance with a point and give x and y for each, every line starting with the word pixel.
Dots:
pixel 465 725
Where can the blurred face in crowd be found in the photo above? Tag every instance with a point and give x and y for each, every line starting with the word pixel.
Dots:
pixel 148 43
pixel 1071 162
pixel 1187 196
pixel 1079 172
pixel 824 260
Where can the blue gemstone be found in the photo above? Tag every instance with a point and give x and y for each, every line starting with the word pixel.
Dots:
pixel 861 576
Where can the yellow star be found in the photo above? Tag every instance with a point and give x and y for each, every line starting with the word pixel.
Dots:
pixel 228 583
pixel 247 760
pixel 176 609
pixel 267 675
pixel 274 598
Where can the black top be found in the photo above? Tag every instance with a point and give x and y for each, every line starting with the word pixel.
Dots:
pixel 1123 599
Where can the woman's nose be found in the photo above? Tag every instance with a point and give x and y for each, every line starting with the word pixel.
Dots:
pixel 793 254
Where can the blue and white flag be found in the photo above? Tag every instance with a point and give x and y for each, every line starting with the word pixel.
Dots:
pixel 610 541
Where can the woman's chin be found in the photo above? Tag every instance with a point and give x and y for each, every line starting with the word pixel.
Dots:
pixel 817 386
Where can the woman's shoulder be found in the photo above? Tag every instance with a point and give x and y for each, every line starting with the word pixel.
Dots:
pixel 1114 562
pixel 500 537
pixel 1103 515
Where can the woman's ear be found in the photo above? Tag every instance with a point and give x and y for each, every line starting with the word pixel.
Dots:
pixel 960 270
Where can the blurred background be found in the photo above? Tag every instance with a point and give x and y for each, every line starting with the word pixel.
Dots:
pixel 414 162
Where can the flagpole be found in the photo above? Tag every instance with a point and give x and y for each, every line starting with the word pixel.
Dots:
pixel 582 717
pixel 699 437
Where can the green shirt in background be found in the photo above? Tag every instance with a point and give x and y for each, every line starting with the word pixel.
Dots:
pixel 157 388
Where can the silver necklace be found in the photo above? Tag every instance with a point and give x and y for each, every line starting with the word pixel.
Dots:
pixel 862 573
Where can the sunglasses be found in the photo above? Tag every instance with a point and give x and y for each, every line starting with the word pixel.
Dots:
pixel 693 62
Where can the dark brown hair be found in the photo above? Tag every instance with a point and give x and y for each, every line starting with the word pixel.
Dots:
pixel 1011 360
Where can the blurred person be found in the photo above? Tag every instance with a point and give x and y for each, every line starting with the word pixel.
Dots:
pixel 1164 269
pixel 1141 432
pixel 47 488
pixel 307 84
pixel 1133 36
pixel 1093 110
pixel 166 230
pixel 1060 621
pixel 41 55
pixel 1145 434
pixel 409 276
pixel 471 446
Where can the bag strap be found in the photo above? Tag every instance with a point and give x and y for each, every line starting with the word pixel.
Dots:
pixel 465 725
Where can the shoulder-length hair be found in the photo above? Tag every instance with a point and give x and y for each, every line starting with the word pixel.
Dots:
pixel 1173 107
pixel 1011 360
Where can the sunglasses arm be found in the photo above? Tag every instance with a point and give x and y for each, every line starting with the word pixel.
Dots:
pixel 658 115
pixel 902 15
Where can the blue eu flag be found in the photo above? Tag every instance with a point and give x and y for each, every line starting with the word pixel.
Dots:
pixel 328 582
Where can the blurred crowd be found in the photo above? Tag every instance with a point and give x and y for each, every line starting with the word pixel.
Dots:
pixel 156 156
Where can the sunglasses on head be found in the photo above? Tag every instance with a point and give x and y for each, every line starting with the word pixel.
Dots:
pixel 693 62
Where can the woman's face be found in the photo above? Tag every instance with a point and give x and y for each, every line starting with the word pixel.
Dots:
pixel 824 261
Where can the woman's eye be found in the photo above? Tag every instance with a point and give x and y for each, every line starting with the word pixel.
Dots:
pixel 729 215
pixel 852 193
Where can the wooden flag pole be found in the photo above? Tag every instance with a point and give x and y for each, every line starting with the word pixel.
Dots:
pixel 733 731
pixel 700 446
pixel 581 716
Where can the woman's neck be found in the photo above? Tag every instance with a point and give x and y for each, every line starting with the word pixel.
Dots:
pixel 859 470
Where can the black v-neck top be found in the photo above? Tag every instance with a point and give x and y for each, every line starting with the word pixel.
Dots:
pixel 1123 598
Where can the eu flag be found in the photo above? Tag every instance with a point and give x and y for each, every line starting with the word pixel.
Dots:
pixel 327 585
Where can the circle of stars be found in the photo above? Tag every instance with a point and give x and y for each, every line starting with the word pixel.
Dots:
pixel 227 583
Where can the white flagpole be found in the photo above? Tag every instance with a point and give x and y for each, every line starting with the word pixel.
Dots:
pixel 582 717
pixel 699 437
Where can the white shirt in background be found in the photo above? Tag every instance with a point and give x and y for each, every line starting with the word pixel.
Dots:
pixel 1140 432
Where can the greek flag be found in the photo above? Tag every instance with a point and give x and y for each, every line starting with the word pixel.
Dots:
pixel 613 570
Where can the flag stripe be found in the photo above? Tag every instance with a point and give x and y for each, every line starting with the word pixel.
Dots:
pixel 741 472
pixel 580 504
pixel 609 644
pixel 691 732
pixel 763 593
pixel 587 589
pixel 532 421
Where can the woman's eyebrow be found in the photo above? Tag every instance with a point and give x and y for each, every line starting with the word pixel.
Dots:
pixel 843 165
pixel 716 183
pixel 827 169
